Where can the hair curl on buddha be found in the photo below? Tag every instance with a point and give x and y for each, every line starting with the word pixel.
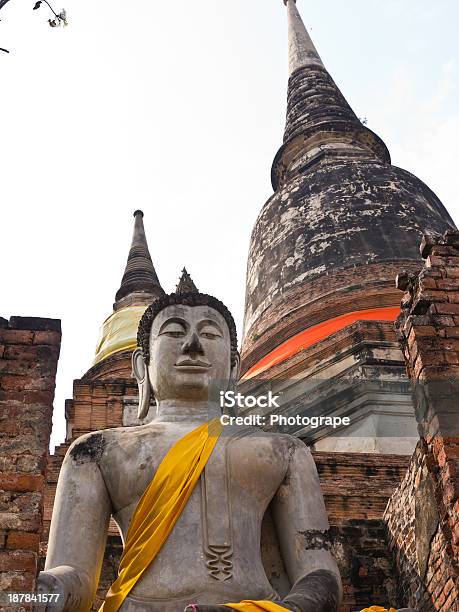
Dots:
pixel 186 295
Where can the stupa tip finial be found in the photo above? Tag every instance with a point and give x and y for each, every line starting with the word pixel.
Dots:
pixel 302 51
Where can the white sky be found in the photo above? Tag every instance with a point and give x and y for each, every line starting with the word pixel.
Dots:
pixel 178 108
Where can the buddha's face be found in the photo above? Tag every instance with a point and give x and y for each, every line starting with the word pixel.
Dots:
pixel 189 347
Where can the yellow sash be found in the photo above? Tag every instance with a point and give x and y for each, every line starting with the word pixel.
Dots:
pixel 159 509
pixel 248 605
pixel 378 609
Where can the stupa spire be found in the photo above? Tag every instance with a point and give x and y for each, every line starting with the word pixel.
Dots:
pixel 301 49
pixel 139 276
pixel 318 115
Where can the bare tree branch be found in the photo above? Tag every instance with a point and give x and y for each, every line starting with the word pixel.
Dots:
pixel 59 18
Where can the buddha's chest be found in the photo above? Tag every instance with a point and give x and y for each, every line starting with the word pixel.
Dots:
pixel 216 538
pixel 241 473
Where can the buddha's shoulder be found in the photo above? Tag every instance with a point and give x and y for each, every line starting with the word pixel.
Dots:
pixel 96 445
pixel 284 443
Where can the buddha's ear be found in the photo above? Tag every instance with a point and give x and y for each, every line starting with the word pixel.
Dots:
pixel 236 369
pixel 140 372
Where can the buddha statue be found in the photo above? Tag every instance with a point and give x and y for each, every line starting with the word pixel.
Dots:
pixel 211 553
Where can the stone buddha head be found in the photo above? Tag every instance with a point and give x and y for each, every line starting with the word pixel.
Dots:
pixel 187 342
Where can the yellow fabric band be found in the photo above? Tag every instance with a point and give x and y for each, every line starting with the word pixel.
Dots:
pixel 247 605
pixel 119 332
pixel 378 609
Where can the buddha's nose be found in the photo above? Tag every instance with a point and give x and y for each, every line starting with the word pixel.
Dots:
pixel 193 346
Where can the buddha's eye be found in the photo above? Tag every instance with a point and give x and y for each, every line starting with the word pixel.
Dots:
pixel 210 333
pixel 173 330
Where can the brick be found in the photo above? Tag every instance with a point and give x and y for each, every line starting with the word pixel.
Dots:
pixel 11 428
pixel 453 297
pixel 35 324
pixel 29 522
pixel 430 357
pixel 29 502
pixel 443 320
pixel 13 336
pixel 430 343
pixel 439 600
pixel 430 295
pixel 29 463
pixel 452 358
pixel 451 236
pixel 10 397
pixel 18 561
pixel 445 309
pixel 47 337
pixel 423 331
pixel 428 282
pixel 43 396
pixel 13 366
pixel 430 273
pixel 10 382
pixel 448 284
pixel 21 482
pixel 7 464
pixel 449 344
pixel 23 541
pixel 443 250
pixel 454 526
pixel 449 586
pixel 449 603
pixel 31 352
pixel 23 583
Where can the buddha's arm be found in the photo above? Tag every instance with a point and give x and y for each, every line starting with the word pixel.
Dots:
pixel 302 527
pixel 78 531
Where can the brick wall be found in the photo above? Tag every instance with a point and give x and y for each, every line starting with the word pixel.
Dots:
pixel 356 488
pixel 423 514
pixel 29 351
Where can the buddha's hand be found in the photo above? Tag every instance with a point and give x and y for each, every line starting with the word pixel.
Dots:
pixel 64 582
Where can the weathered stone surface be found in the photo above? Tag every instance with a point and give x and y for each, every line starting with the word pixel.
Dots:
pixel 337 215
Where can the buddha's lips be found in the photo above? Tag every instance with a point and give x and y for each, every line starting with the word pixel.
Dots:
pixel 192 364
